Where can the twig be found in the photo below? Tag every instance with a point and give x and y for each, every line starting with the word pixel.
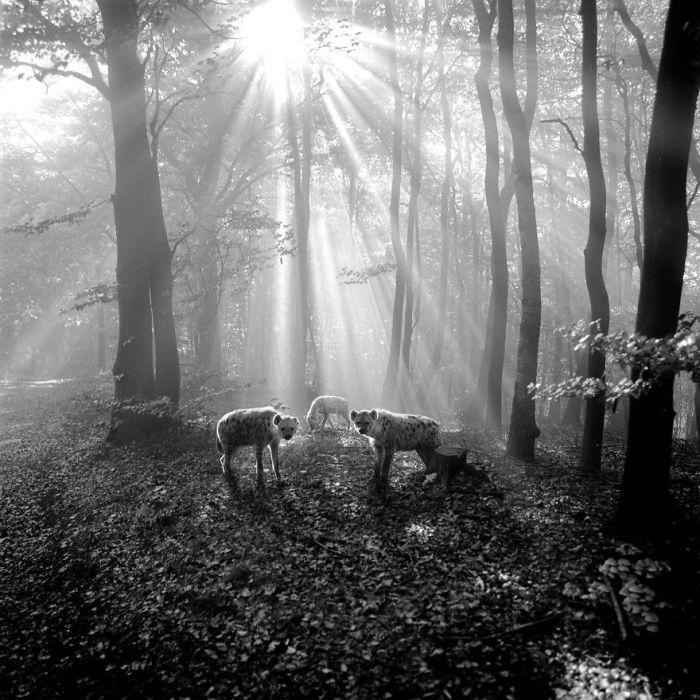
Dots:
pixel 617 608
pixel 320 544
pixel 523 626
pixel 512 630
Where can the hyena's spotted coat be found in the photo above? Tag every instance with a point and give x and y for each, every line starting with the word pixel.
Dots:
pixel 253 426
pixel 325 406
pixel 392 432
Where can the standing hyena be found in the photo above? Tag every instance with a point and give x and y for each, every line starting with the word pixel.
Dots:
pixel 324 406
pixel 253 426
pixel 391 432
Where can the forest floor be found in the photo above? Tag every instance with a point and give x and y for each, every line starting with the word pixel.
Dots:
pixel 136 571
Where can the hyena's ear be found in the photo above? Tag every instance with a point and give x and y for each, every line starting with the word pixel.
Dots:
pixel 373 413
pixel 353 415
pixel 296 421
pixel 277 418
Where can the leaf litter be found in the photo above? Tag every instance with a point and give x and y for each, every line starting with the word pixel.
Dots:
pixel 136 571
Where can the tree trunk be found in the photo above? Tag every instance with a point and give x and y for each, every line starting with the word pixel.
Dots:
pixel 445 195
pixel 389 389
pixel 594 417
pixel 167 380
pixel 627 162
pixel 523 428
pixel 144 280
pixel 648 65
pixel 494 346
pixel 696 409
pixel 643 502
pixel 416 174
pixel 216 125
pixel 133 366
pixel 101 338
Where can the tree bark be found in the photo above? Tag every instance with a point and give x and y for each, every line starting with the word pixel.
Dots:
pixel 643 505
pixel 649 66
pixel 144 279
pixel 445 195
pixel 594 416
pixel 390 389
pixel 627 164
pixel 494 347
pixel 523 428
pixel 133 366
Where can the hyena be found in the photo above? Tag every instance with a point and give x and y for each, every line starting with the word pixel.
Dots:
pixel 253 426
pixel 324 406
pixel 391 432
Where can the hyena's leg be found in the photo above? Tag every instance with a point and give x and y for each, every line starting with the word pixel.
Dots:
pixel 378 460
pixel 425 453
pixel 259 462
pixel 325 415
pixel 274 454
pixel 386 463
pixel 328 415
pixel 225 459
pixel 346 418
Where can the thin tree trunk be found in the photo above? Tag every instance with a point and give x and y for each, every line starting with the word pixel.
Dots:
pixel 389 389
pixel 494 347
pixel 101 338
pixel 627 163
pixel 416 172
pixel 445 195
pixel 643 504
pixel 594 417
pixel 523 428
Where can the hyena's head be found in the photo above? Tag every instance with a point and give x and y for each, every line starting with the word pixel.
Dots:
pixel 312 420
pixel 363 420
pixel 287 425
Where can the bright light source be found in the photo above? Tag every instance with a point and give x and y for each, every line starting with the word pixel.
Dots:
pixel 272 37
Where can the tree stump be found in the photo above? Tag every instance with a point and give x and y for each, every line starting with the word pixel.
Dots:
pixel 446 461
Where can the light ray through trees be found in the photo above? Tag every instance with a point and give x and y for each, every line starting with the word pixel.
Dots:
pixel 353 104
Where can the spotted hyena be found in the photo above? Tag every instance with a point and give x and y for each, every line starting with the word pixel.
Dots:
pixel 391 432
pixel 253 426
pixel 323 406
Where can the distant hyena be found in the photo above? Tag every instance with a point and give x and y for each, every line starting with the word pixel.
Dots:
pixel 391 432
pixel 253 426
pixel 324 406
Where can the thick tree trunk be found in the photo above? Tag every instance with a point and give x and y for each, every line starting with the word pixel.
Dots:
pixel 143 256
pixel 649 66
pixel 133 366
pixel 696 408
pixel 594 419
pixel 643 502
pixel 523 428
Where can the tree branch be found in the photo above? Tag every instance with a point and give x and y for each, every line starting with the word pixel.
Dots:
pixel 568 131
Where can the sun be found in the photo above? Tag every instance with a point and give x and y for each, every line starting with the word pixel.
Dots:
pixel 272 40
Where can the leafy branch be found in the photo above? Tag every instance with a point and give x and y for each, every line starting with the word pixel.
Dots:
pixel 650 358
pixel 31 227
pixel 348 276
